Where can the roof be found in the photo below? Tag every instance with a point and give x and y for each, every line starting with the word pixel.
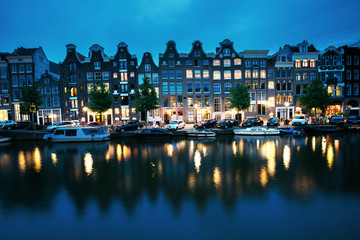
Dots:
pixel 3 55
pixel 54 68
pixel 21 51
pixel 80 56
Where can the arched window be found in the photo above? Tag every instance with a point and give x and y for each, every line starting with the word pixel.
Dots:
pixel 73 92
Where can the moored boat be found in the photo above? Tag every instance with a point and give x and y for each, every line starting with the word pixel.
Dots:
pixel 257 131
pixel 79 134
pixel 5 139
pixel 154 133
pixel 200 134
pixel 290 131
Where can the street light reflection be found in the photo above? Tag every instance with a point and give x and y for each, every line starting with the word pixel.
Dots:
pixel 286 157
pixel 88 163
pixel 197 161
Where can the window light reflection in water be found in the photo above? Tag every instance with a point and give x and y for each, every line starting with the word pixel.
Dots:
pixel 88 163
pixel 54 159
pixel 217 177
pixel 330 156
pixel 37 160
pixel 286 157
pixel 197 161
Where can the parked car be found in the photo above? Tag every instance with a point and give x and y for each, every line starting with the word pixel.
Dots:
pixel 22 125
pixel 252 122
pixel 61 124
pixel 93 124
pixel 299 120
pixel 353 119
pixel 273 122
pixel 336 120
pixel 210 123
pixel 227 123
pixel 129 126
pixel 6 122
pixel 175 125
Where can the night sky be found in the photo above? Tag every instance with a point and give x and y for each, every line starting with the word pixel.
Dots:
pixel 146 25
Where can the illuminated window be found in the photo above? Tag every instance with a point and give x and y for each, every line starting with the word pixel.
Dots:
pixel 247 84
pixel 206 74
pixel 255 74
pixel 278 99
pixel 115 75
pixel 255 85
pixel 189 74
pixel 237 61
pixel 298 77
pixel 217 75
pixel 298 63
pixel 305 76
pixel 237 74
pixel 197 74
pixel 216 62
pixel 305 62
pixel 123 76
pixel 312 63
pixel 247 73
pixel 217 104
pixel 227 74
pixel 271 85
pixel 227 63
pixel 172 101
pixel 263 74
pixel 190 102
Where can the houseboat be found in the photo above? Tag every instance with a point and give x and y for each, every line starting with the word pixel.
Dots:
pixel 79 134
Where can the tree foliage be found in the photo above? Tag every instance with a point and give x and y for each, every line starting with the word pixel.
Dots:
pixel 31 99
pixel 315 96
pixel 100 98
pixel 145 97
pixel 240 98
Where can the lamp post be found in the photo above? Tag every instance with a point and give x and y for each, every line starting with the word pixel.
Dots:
pixel 85 109
pixel 286 112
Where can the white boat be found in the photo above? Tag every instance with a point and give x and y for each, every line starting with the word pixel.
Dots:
pixel 257 131
pixel 79 134
pixel 5 139
pixel 201 134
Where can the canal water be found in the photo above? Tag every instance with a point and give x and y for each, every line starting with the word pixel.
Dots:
pixel 282 187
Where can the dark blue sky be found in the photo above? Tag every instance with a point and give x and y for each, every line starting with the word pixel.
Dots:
pixel 146 25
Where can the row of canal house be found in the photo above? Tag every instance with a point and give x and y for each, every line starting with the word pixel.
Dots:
pixel 192 86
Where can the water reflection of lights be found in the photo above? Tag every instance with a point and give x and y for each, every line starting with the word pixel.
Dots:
pixel 197 161
pixel 234 147
pixel 337 145
pixel 263 177
pixel 37 159
pixel 257 144
pixel 22 163
pixel 204 151
pixel 269 153
pixel 118 152
pixel 286 157
pixel 54 159
pixel 330 156
pixel 191 181
pixel 88 163
pixel 170 150
pixel 217 177
pixel 323 145
pixel 313 143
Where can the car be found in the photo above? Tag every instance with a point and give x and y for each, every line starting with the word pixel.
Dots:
pixel 27 125
pixel 299 120
pixel 336 120
pixel 6 122
pixel 227 123
pixel 354 119
pixel 175 125
pixel 61 124
pixel 210 123
pixel 252 122
pixel 93 124
pixel 273 122
pixel 129 126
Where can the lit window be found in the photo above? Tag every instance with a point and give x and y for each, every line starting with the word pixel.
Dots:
pixel 227 63
pixel 227 74
pixel 189 74
pixel 312 63
pixel 305 62
pixel 247 73
pixel 298 63
pixel 263 74
pixel 197 74
pixel 206 74
pixel 217 75
pixel 216 62
pixel 237 74
pixel 237 61
pixel 115 75
pixel 271 85
pixel 255 74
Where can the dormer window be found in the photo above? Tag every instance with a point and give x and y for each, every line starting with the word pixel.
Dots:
pixel 303 49
pixel 171 55
pixel 72 66
pixel 197 53
pixel 147 67
pixel 97 65
pixel 226 52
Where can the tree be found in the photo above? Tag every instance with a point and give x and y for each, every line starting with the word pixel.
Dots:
pixel 100 98
pixel 146 98
pixel 31 100
pixel 315 96
pixel 240 98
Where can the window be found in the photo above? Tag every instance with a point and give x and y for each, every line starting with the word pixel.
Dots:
pixel 171 74
pixel 348 60
pixel 189 74
pixel 172 101
pixel 205 62
pixel 262 85
pixel 3 72
pixel 247 63
pixel 261 96
pixel 262 63
pixel 278 73
pixel 227 104
pixel 263 74
pixel 40 90
pixel 97 65
pixel 289 73
pixel 21 68
pixel 348 74
pixel 356 74
pixel 179 101
pixel 247 84
pixel 271 85
pixel 114 64
pixel 189 86
pixel 197 74
pixel 298 63
pixel 115 75
pixel 289 86
pixel 55 90
pixel 283 86
pixel 226 87
pixel 141 79
pixel 123 76
pixel 28 68
pixel 237 74
pixel 298 77
pixel 190 102
pixel 305 76
pixel 278 99
pixel 356 89
pixel 171 55
pixel 255 85
pixel 48 102
pixel 73 92
pixel 283 73
pixel 255 63
pixel 105 75
pixel 179 87
pixel 56 102
pixel 226 52
pixel 15 82
pixel 166 101
pixel 206 86
pixel 217 88
pixel 97 76
pixel 89 76
pixel 165 87
pixel 172 87
pixel 13 69
pixel 356 60
pixel 16 95
pixel 171 63
pixel 198 87
pixel 206 74
pixel 216 62
pixel 252 97
pixel 155 78
pixel 188 62
pixel 255 73
pixel 312 75
pixel 312 63
pixel 298 89
pixel 247 73
pixel 305 63
pixel 227 74
pixel 290 100
pixel 147 67
pixel 278 87
pixel 197 63
pixel 178 74
pixel 206 101
pixel 270 74
pixel 237 61
pixel 227 63
pixel 217 75
pixel 217 104
pixel 29 79
pixel 348 89
pixel 164 74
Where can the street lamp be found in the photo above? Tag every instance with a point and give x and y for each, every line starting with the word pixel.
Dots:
pixel 85 109
pixel 286 112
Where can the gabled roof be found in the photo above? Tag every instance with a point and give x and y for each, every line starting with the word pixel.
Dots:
pixel 355 45
pixel 21 51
